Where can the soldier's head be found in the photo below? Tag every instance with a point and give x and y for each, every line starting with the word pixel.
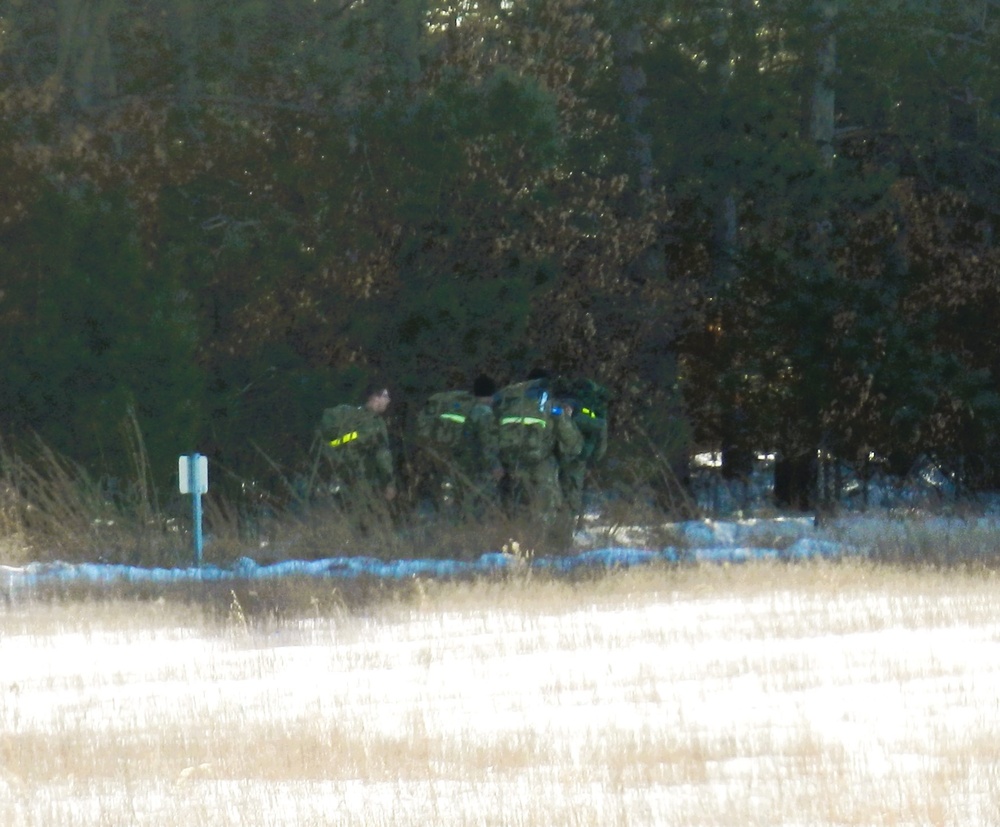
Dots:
pixel 377 398
pixel 484 387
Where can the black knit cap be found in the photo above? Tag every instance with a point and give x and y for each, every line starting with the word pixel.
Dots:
pixel 484 386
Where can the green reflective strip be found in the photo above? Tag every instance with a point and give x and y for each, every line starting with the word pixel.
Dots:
pixel 522 420
pixel 588 412
pixel 452 417
pixel 343 440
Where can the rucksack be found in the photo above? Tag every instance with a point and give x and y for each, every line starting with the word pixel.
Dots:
pixel 590 403
pixel 345 426
pixel 441 422
pixel 524 414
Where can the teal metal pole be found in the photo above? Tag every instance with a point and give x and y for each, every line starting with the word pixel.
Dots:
pixel 196 507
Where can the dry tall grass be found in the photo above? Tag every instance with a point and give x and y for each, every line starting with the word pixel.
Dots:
pixel 53 509
pixel 815 694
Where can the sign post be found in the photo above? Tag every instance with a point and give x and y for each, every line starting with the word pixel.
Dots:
pixel 192 476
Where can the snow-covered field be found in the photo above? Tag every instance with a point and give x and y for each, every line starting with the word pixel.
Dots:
pixel 814 692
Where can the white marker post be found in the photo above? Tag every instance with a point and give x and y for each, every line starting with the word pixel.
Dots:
pixel 192 475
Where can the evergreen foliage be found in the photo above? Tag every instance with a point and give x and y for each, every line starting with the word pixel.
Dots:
pixel 90 339
pixel 224 216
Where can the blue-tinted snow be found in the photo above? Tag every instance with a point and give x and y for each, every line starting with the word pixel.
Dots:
pixel 868 520
pixel 695 541
pixel 699 541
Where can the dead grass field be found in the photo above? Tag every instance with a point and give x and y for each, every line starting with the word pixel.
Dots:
pixel 764 694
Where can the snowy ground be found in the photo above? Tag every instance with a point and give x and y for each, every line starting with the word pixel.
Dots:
pixel 816 693
pixel 695 541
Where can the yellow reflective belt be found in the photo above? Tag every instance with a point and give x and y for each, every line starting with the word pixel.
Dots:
pixel 453 417
pixel 343 440
pixel 522 420
pixel 588 412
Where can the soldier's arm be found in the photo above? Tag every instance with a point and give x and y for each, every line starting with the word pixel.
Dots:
pixel 488 433
pixel 569 440
pixel 383 459
pixel 602 445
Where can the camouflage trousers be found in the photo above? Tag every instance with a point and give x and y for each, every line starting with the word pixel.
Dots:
pixel 571 480
pixel 466 496
pixel 534 488
pixel 361 503
pixel 534 492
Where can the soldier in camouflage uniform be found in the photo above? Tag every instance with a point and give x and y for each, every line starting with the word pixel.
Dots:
pixel 458 432
pixel 480 459
pixel 534 439
pixel 590 417
pixel 355 445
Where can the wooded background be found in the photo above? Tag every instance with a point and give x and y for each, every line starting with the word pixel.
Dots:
pixel 766 224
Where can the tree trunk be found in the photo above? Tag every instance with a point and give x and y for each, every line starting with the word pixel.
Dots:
pixel 84 55
pixel 821 109
pixel 795 473
pixel 737 452
pixel 795 481
pixel 632 83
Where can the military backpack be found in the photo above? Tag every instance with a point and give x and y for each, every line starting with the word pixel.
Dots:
pixel 590 405
pixel 441 422
pixel 527 432
pixel 590 413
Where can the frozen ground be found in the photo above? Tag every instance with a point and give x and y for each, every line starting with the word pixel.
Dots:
pixel 827 692
pixel 722 541
pixel 815 694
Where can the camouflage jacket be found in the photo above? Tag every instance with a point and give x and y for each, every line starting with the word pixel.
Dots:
pixel 356 443
pixel 483 440
pixel 569 439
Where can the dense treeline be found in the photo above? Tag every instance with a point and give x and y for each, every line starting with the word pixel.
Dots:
pixel 758 223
